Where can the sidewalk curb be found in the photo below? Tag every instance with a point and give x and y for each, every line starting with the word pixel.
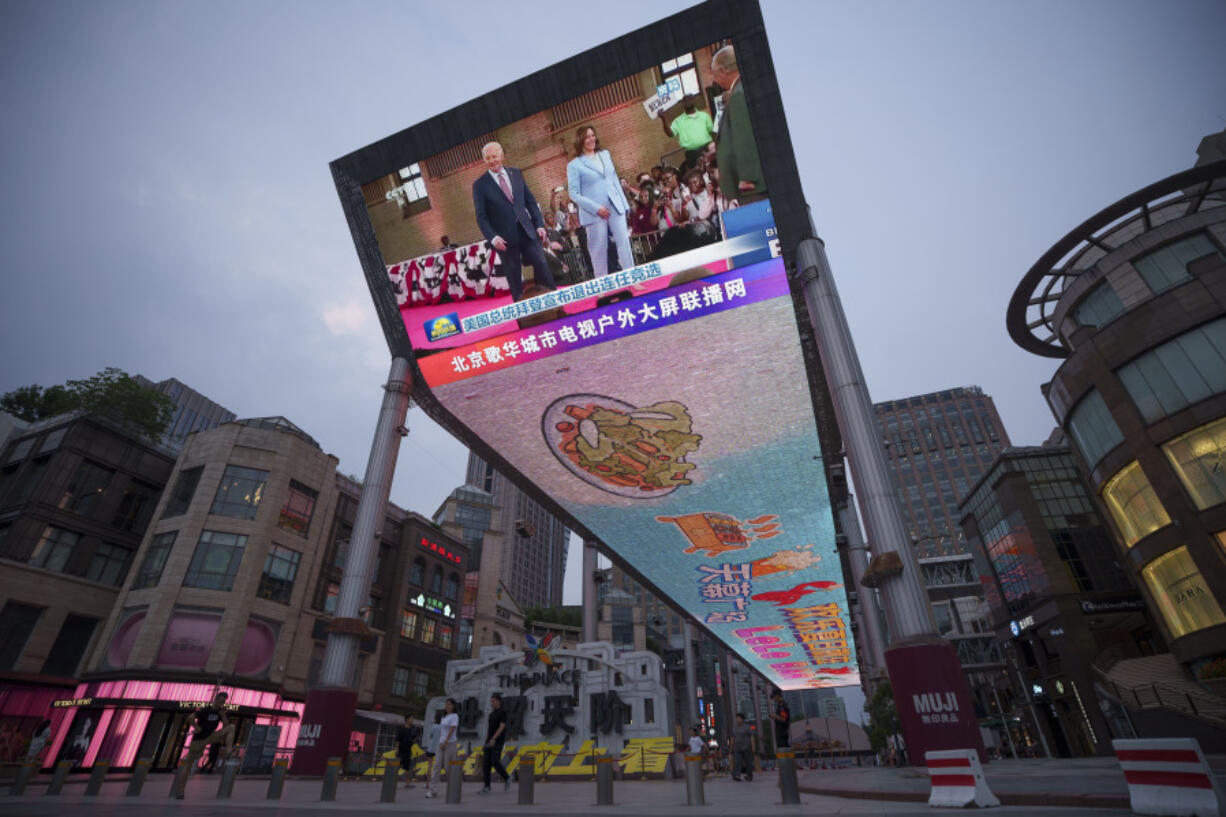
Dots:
pixel 1015 799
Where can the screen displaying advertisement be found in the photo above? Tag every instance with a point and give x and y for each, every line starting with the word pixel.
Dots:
pixel 596 293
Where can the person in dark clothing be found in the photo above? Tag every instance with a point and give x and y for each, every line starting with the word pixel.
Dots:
pixel 211 726
pixel 495 737
pixel 742 749
pixel 407 736
pixel 782 717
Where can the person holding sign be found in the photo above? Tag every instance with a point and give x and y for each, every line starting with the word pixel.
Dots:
pixel 693 130
pixel 596 188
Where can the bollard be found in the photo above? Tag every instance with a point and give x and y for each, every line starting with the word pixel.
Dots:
pixel 527 778
pixel 61 774
pixel 139 772
pixel 391 771
pixel 24 774
pixel 693 781
pixel 332 774
pixel 96 775
pixel 455 781
pixel 277 782
pixel 787 778
pixel 183 773
pixel 229 771
pixel 604 781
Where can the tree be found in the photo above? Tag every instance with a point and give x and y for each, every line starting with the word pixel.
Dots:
pixel 111 393
pixel 882 716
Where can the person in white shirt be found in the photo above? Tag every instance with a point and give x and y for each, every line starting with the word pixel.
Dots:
pixel 696 744
pixel 447 744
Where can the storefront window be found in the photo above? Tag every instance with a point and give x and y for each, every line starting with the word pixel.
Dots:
pixel 1199 458
pixel 1133 504
pixel 1181 594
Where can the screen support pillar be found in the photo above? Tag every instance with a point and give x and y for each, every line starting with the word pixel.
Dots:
pixel 589 590
pixel 928 684
pixel 691 674
pixel 328 716
pixel 868 608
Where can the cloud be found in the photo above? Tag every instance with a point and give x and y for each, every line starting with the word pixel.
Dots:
pixel 349 318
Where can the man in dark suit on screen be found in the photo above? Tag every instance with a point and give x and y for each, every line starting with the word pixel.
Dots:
pixel 510 220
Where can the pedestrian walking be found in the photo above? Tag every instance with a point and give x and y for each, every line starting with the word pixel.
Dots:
pixel 743 749
pixel 495 737
pixel 447 745
pixel 407 736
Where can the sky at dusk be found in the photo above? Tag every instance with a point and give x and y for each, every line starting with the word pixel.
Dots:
pixel 168 207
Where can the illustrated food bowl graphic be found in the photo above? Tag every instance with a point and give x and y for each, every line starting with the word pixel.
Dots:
pixel 632 451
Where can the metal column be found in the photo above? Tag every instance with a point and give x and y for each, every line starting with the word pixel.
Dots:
pixel 906 601
pixel 589 590
pixel 691 674
pixel 341 653
pixel 869 608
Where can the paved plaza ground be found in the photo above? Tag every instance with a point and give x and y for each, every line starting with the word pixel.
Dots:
pixel 1090 786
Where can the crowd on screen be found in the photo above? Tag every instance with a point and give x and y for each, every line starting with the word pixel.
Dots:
pixel 601 219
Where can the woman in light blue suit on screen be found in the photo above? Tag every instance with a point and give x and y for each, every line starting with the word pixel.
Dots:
pixel 595 187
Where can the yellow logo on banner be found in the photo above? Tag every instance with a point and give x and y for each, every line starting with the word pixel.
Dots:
pixel 442 327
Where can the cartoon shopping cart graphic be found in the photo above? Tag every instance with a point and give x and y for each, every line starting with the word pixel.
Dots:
pixel 717 533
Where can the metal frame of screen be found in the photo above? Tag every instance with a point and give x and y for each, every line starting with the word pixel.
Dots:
pixel 688 30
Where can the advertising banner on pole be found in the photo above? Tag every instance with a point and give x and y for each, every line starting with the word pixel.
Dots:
pixel 597 293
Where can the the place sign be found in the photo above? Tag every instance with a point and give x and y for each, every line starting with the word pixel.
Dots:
pixel 435 547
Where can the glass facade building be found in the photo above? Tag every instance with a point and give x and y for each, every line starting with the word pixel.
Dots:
pixel 1141 390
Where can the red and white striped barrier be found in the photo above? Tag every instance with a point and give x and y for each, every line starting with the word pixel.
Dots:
pixel 1167 776
pixel 957 779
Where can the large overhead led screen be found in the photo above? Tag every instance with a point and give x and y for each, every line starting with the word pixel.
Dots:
pixel 595 292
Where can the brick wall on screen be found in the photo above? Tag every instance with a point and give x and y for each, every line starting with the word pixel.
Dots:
pixel 533 145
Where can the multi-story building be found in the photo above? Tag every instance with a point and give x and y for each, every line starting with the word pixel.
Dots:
pixel 235 582
pixel 193 411
pixel 76 496
pixel 939 444
pixel 1133 305
pixel 1059 596
pixel 536 541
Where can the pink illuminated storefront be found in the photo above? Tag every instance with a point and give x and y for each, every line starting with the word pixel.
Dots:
pixel 122 721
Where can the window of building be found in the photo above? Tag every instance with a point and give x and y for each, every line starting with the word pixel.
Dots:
pixel 70 645
pixel 408 623
pixel 944 618
pixel 333 592
pixel 1100 307
pixel 184 490
pixel 452 588
pixel 436 581
pixel 400 682
pixel 150 571
pixel 428 626
pixel 417 573
pixel 1178 373
pixel 52 441
pixel 1179 590
pixel 1165 267
pixel 298 509
pixel 16 623
pixel 280 570
pixel 421 683
pixel 54 548
pixel 1199 459
pixel 1133 505
pixel 135 507
pixel 109 564
pixel 21 449
pixel 239 493
pixel 445 634
pixel 88 483
pixel 684 70
pixel 216 560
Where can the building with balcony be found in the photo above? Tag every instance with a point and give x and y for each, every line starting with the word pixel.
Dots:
pixel 1132 303
pixel 938 445
pixel 233 587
